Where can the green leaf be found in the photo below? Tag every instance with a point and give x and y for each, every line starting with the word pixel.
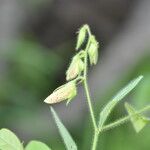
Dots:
pixel 137 120
pixel 119 96
pixel 37 145
pixel 69 142
pixel 9 141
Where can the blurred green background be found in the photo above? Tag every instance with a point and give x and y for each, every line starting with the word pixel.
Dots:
pixel 37 40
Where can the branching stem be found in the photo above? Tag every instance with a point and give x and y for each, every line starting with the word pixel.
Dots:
pixel 123 120
pixel 83 78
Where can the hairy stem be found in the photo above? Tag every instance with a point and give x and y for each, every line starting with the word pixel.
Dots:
pixel 123 120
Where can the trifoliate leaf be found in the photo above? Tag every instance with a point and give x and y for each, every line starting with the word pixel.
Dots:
pixel 69 142
pixel 37 145
pixel 119 96
pixel 137 120
pixel 9 141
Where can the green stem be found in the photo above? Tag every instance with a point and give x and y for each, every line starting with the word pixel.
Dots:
pixel 90 104
pixel 95 140
pixel 96 134
pixel 123 120
pixel 86 86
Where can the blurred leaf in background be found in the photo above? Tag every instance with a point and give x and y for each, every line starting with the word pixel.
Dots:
pixel 30 74
pixel 142 95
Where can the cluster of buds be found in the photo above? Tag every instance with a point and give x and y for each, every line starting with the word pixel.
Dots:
pixel 88 45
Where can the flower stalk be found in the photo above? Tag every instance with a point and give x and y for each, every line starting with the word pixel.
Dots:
pixel 85 82
pixel 77 72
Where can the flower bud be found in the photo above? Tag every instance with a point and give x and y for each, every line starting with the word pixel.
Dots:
pixel 75 68
pixel 82 35
pixel 93 51
pixel 65 92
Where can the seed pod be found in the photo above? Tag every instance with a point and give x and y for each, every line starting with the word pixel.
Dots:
pixel 82 36
pixel 75 68
pixel 65 92
pixel 93 51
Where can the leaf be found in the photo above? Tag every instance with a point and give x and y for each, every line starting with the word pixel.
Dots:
pixel 9 141
pixel 119 96
pixel 37 145
pixel 137 120
pixel 69 142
